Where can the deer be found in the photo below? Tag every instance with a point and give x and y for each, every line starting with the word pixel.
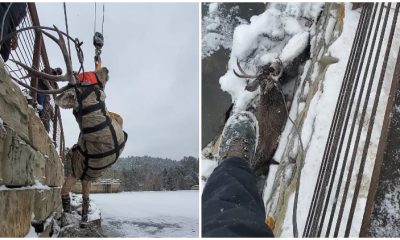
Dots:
pixel 270 111
pixel 101 139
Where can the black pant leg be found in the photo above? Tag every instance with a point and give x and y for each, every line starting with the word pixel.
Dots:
pixel 231 204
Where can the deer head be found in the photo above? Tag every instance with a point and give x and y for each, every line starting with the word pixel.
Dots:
pixel 267 76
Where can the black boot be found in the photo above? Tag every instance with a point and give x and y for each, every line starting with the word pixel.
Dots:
pixel 239 138
pixel 66 203
pixel 85 211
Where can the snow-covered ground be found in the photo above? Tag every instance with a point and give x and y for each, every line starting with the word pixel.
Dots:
pixel 149 214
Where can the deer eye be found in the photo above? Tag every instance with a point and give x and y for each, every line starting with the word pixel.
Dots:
pixel 271 70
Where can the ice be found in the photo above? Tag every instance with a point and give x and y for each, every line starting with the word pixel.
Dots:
pixel 149 214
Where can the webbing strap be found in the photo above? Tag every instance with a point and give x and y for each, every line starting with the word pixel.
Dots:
pixel 92 108
pixel 105 154
pixel 116 151
pixel 98 127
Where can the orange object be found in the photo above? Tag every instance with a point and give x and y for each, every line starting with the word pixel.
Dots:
pixel 270 222
pixel 88 78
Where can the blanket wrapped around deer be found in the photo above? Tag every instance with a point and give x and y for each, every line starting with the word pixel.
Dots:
pixel 101 138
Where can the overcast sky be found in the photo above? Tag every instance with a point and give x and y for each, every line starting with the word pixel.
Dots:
pixel 151 51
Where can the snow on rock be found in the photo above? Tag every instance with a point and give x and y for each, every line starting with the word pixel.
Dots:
pixel 70 222
pixel 37 186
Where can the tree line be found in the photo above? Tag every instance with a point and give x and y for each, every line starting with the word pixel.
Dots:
pixel 155 174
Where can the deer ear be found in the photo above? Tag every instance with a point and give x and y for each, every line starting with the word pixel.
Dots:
pixel 252 86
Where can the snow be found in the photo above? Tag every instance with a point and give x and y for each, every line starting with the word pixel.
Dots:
pixel 212 7
pixel 149 214
pixel 278 32
pixel 390 209
pixel 294 47
pixel 32 233
pixel 207 167
pixel 37 186
pixel 217 29
pixel 2 124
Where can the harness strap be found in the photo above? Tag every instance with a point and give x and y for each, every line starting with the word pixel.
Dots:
pixel 88 90
pixel 92 108
pixel 78 116
pixel 105 154
pixel 96 128
pixel 100 105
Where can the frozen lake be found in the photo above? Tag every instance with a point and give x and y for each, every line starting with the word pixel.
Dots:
pixel 149 214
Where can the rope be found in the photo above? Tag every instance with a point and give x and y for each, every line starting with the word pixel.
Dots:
pixel 296 198
pixel 95 17
pixel 102 25
pixel 66 27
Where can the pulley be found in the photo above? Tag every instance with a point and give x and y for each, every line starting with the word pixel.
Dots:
pixel 98 42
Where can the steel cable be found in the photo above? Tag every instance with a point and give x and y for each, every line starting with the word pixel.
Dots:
pixel 372 118
pixel 352 162
pixel 347 115
pixel 342 112
pixel 312 211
